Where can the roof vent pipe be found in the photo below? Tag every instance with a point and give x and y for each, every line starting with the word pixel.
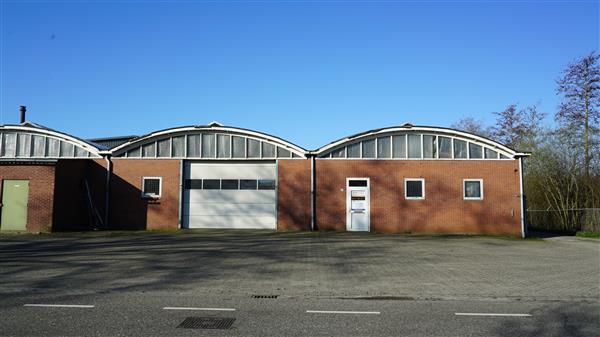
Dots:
pixel 22 109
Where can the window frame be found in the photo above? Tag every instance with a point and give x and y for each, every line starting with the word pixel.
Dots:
pixel 422 180
pixel 480 181
pixel 151 196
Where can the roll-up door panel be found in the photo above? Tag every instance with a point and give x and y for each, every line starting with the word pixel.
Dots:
pixel 227 208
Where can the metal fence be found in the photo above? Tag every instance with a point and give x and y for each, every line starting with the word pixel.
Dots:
pixel 582 219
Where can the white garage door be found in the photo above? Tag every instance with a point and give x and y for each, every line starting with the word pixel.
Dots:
pixel 230 195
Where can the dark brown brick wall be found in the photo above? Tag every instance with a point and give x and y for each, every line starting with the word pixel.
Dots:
pixel 41 192
pixel 293 194
pixel 442 211
pixel 72 211
pixel 128 210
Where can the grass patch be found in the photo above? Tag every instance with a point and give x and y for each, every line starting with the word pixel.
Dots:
pixel 595 235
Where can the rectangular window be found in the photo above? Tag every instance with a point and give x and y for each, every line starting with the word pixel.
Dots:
pixel 149 150
pixel 38 146
pixel 429 146
pixel 208 145
pixel 475 151
pixel 473 189
pixel 253 148
pixel 383 147
pixel 353 150
pixel 357 183
pixel 151 187
pixel 248 184
pixel 68 149
pixel 230 184
pixel 223 146
pixel 414 146
pixel 399 146
pixel 211 184
pixel 368 148
pixel 164 148
pixel 178 146
pixel 193 184
pixel 445 144
pixel 414 188
pixel 24 145
pixel 193 146
pixel 52 147
pixel 239 147
pixel 460 149
pixel 266 184
pixel 9 145
pixel 268 150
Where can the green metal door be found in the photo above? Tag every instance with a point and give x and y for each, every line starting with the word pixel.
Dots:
pixel 14 204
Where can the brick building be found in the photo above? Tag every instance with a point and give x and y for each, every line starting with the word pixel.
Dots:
pixel 411 179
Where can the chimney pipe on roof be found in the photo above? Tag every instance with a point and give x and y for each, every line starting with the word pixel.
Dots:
pixel 22 109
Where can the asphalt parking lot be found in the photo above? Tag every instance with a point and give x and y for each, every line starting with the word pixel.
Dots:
pixel 138 275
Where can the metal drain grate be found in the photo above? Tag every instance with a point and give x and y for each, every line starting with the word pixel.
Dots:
pixel 265 296
pixel 206 323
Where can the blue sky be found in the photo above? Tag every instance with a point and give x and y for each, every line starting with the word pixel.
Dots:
pixel 309 72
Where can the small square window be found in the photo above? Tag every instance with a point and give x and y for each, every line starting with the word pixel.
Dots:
pixel 151 187
pixel 473 189
pixel 414 188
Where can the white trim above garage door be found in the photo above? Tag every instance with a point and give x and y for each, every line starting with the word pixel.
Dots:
pixel 230 195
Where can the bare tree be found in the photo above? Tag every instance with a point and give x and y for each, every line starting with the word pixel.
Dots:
pixel 532 127
pixel 472 125
pixel 510 126
pixel 579 111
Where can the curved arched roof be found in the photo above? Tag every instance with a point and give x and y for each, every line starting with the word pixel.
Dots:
pixel 424 130
pixel 29 140
pixel 281 147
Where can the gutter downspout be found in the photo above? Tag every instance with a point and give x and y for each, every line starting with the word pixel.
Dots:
pixel 107 191
pixel 313 210
pixel 523 229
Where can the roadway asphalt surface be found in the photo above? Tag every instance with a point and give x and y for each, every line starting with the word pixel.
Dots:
pixel 147 284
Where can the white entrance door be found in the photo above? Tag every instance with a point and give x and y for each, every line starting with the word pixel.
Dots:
pixel 358 205
pixel 230 195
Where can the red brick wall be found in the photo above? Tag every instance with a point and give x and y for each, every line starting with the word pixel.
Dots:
pixel 128 210
pixel 41 191
pixel 293 194
pixel 442 211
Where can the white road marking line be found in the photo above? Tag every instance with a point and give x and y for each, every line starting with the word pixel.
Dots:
pixel 200 309
pixel 490 314
pixel 59 305
pixel 343 312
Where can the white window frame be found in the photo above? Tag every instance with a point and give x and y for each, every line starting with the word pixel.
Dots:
pixel 152 196
pixel 465 189
pixel 422 180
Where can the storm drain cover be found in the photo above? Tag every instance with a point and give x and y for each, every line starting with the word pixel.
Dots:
pixel 206 323
pixel 264 296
